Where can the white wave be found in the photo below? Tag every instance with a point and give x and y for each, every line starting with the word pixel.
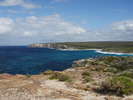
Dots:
pixel 105 52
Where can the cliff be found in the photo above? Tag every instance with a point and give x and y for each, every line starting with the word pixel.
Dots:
pixel 49 45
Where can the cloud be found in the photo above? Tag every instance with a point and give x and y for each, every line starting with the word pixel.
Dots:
pixel 38 28
pixel 119 31
pixel 21 3
pixel 6 25
pixel 123 25
pixel 53 28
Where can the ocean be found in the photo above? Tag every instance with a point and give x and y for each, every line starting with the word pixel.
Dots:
pixel 25 60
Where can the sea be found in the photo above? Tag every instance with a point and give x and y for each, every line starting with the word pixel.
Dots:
pixel 26 60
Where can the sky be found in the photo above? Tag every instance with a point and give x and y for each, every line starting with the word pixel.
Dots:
pixel 25 22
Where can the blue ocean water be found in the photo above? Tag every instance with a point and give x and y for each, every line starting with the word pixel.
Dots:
pixel 25 60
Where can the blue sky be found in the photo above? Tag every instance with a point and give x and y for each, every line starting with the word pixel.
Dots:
pixel 28 21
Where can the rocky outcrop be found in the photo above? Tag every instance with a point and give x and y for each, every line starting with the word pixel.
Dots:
pixel 39 87
pixel 49 45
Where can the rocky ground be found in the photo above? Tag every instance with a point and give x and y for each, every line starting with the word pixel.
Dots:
pixel 48 87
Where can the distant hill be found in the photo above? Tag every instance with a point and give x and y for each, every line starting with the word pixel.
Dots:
pixel 124 47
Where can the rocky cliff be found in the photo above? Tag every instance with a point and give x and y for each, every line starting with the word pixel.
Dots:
pixel 49 45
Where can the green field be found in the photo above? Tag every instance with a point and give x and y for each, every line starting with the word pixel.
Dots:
pixel 125 47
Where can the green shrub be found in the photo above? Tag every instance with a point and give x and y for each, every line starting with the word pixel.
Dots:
pixel 109 59
pixel 112 70
pixel 86 76
pixel 28 75
pixel 127 74
pixel 87 79
pixel 98 68
pixel 48 72
pixel 60 77
pixel 93 62
pixel 120 63
pixel 119 85
pixel 86 73
pixel 121 66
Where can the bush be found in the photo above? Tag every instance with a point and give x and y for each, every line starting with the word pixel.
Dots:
pixel 60 77
pixel 93 62
pixel 109 59
pixel 112 70
pixel 98 68
pixel 127 74
pixel 86 76
pixel 48 72
pixel 87 79
pixel 119 85
pixel 120 63
pixel 119 66
pixel 28 75
pixel 86 73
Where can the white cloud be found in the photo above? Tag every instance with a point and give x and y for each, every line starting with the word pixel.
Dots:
pixel 34 29
pixel 26 33
pixel 122 31
pixel 123 25
pixel 46 27
pixel 6 25
pixel 21 3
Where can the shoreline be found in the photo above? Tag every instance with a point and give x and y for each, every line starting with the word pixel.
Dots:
pixel 72 49
pixel 118 53
pixel 98 51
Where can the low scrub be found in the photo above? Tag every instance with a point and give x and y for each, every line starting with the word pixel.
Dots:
pixel 28 75
pixel 120 63
pixel 86 76
pixel 111 70
pixel 60 77
pixel 48 72
pixel 127 74
pixel 86 73
pixel 119 85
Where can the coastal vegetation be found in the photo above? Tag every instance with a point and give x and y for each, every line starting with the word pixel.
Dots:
pixel 86 76
pixel 124 47
pixel 118 85
pixel 105 75
pixel 118 71
pixel 110 46
pixel 48 72
pixel 60 76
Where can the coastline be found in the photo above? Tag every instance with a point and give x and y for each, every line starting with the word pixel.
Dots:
pixel 118 53
pixel 72 49
pixel 97 50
